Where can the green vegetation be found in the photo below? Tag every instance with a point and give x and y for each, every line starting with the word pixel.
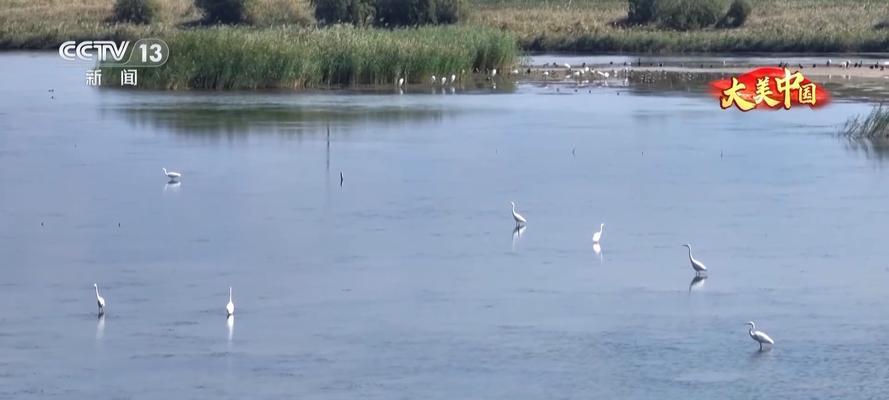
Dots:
pixel 737 14
pixel 135 11
pixel 641 11
pixel 390 13
pixel 806 26
pixel 874 127
pixel 420 12
pixel 356 12
pixel 265 13
pixel 686 15
pixel 246 58
pixel 223 11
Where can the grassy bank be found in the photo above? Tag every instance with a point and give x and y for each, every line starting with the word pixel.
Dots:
pixel 248 58
pixel 805 26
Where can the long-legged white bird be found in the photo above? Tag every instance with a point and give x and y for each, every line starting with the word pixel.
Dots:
pixel 697 265
pixel 230 307
pixel 759 336
pixel 519 219
pixel 598 235
pixel 172 175
pixel 100 300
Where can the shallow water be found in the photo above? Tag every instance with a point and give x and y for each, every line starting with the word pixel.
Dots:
pixel 408 281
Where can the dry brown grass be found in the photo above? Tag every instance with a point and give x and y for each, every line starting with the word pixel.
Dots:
pixel 792 25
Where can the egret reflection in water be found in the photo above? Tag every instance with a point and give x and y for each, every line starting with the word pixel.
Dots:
pixel 230 326
pixel 172 186
pixel 597 248
pixel 697 283
pixel 517 234
pixel 100 327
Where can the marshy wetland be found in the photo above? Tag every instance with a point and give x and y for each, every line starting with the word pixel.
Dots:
pixel 408 279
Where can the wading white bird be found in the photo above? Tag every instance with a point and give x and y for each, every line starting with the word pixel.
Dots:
pixel 598 235
pixel 697 265
pixel 100 300
pixel 493 72
pixel 172 175
pixel 400 82
pixel 759 336
pixel 230 307
pixel 453 78
pixel 433 79
pixel 444 80
pixel 519 220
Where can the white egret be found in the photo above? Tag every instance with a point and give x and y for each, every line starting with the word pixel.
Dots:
pixel 697 265
pixel 230 307
pixel 433 79
pixel 493 72
pixel 400 82
pixel 100 300
pixel 172 175
pixel 598 235
pixel 444 81
pixel 519 219
pixel 759 336
pixel 453 78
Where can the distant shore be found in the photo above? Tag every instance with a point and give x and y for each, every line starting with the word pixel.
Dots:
pixel 560 73
pixel 576 26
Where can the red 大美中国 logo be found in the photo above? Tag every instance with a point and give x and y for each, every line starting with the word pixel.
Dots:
pixel 769 88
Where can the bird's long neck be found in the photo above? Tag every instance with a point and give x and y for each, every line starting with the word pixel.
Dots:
pixel 97 292
pixel 689 254
pixel 229 294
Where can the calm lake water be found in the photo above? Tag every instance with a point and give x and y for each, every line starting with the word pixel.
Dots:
pixel 408 281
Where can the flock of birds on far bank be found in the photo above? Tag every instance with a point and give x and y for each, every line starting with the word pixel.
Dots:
pixel 520 222
pixel 621 73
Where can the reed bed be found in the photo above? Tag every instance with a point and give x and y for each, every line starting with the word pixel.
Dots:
pixel 873 126
pixel 246 58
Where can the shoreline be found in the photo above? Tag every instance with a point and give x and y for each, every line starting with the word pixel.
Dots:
pixel 556 73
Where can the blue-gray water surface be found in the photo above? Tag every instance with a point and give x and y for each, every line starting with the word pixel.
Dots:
pixel 409 281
